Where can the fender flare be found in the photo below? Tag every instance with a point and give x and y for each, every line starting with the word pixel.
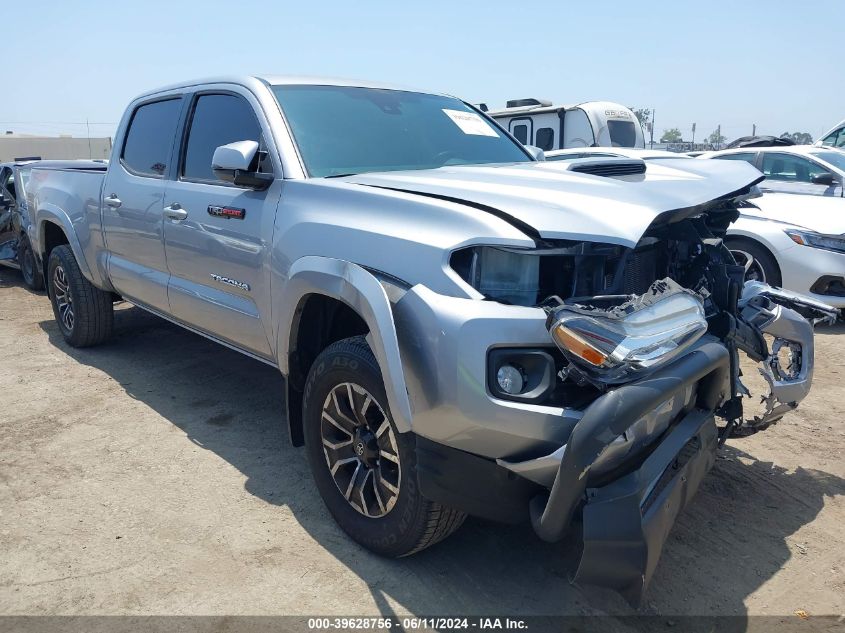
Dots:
pixel 56 215
pixel 361 291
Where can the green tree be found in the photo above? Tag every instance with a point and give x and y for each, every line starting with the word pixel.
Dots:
pixel 715 138
pixel 672 135
pixel 643 116
pixel 799 138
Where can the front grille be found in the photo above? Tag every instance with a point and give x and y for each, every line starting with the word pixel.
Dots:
pixel 640 272
pixel 611 169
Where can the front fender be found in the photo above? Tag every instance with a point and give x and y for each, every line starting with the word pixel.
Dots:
pixel 56 215
pixel 361 291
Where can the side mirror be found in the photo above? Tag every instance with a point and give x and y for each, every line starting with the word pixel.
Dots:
pixel 826 179
pixel 238 163
pixel 536 152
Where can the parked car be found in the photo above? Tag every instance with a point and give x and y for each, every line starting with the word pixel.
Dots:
pixel 760 141
pixel 834 137
pixel 16 220
pixel 797 242
pixel 15 249
pixel 805 169
pixel 461 331
pixel 612 152
pixel 593 123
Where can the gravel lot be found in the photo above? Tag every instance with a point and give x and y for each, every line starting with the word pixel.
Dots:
pixel 153 475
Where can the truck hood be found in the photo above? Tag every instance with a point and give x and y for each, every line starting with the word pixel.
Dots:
pixel 822 214
pixel 561 204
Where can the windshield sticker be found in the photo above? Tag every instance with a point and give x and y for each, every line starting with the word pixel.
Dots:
pixel 470 123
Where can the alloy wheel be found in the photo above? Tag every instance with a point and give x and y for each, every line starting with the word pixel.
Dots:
pixel 753 269
pixel 64 301
pixel 360 449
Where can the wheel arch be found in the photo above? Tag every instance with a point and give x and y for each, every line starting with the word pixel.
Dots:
pixel 331 299
pixel 53 228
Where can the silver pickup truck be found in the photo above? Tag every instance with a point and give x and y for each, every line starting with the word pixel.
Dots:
pixel 463 328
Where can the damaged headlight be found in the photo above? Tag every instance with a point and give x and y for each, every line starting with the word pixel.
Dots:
pixel 615 338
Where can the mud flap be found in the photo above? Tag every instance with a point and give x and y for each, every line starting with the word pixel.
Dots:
pixel 626 522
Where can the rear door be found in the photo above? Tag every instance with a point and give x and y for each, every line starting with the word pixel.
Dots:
pixel 132 204
pixel 218 248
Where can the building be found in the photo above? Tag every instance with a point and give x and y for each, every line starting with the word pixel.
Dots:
pixel 65 147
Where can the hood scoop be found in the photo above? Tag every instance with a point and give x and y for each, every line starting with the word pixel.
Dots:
pixel 608 168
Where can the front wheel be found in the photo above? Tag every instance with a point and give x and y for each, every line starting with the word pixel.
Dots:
pixel 84 313
pixel 365 470
pixel 32 276
pixel 759 263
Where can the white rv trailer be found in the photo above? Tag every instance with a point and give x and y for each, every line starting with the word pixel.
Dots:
pixel 590 124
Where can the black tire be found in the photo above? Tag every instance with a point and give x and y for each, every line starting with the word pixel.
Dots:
pixel 768 265
pixel 30 271
pixel 92 309
pixel 413 523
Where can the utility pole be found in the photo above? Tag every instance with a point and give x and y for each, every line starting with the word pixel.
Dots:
pixel 719 137
pixel 88 127
pixel 693 135
pixel 652 130
pixel 754 130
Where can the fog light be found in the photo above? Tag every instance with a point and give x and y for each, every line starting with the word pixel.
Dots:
pixel 510 379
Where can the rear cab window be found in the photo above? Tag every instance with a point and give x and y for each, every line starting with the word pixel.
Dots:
pixel 149 138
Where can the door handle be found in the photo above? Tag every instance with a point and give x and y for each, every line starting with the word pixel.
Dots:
pixel 113 201
pixel 175 212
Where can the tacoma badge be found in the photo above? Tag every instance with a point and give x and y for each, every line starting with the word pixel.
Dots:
pixel 231 282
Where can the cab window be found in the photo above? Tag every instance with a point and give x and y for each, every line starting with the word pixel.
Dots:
pixel 217 119
pixel 149 140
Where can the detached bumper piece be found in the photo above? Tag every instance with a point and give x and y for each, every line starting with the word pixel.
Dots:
pixel 626 521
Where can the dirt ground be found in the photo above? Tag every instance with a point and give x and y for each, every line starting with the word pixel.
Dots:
pixel 153 475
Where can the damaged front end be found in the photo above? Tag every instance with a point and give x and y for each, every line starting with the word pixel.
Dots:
pixel 662 363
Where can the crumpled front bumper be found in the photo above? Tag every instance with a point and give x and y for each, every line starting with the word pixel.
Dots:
pixel 626 521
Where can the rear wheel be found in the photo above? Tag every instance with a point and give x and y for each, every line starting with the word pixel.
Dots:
pixel 84 313
pixel 759 263
pixel 365 470
pixel 32 276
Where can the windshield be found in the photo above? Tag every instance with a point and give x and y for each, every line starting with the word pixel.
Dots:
pixel 342 130
pixel 622 133
pixel 837 159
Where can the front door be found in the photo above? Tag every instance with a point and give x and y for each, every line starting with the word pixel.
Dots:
pixel 794 174
pixel 132 204
pixel 218 236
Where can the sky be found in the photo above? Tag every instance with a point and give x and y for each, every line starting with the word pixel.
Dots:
pixel 734 64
